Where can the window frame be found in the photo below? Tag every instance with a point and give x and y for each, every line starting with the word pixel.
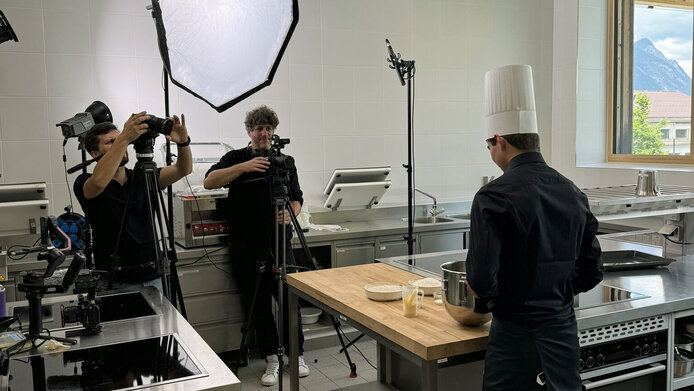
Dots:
pixel 620 39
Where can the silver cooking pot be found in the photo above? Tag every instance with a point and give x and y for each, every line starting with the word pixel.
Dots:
pixel 458 301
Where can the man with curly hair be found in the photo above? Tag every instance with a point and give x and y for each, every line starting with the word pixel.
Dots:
pixel 252 222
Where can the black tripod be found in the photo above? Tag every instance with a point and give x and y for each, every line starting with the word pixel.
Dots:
pixel 146 171
pixel 279 179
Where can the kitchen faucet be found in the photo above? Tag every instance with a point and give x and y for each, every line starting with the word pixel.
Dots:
pixel 434 211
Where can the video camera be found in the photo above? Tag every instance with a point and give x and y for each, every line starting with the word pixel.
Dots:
pixel 275 157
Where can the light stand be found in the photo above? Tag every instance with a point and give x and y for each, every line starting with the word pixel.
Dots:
pixel 405 70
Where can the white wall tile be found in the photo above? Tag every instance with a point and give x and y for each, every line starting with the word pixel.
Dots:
pixel 305 46
pixel 27 24
pixel 69 75
pixel 368 151
pixel 125 7
pixel 146 43
pixel 24 161
pixel 67 32
pixel 306 83
pixel 310 13
pixel 338 118
pixel 55 159
pixel 109 38
pixel 338 83
pixel 370 118
pixel 338 152
pixel 307 118
pixel 20 4
pixel 115 77
pixel 23 119
pixel 368 83
pixel 308 153
pixel 66 5
pixel 23 74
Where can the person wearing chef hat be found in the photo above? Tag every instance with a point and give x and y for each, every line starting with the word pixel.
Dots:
pixel 532 247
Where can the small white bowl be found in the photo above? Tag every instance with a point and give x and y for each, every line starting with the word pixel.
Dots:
pixel 310 315
pixel 428 285
pixel 383 291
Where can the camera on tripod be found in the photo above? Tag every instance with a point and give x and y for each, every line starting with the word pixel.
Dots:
pixel 277 159
pixel 144 145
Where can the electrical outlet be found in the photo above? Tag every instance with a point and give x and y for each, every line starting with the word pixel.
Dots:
pixel 677 235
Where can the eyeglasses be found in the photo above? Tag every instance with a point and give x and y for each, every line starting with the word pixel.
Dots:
pixel 260 128
pixel 491 141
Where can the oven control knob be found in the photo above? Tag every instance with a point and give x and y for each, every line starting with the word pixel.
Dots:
pixel 581 363
pixel 637 351
pixel 646 349
pixel 590 361
pixel 655 346
pixel 600 360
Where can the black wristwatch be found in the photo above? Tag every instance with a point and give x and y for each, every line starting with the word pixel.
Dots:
pixel 187 143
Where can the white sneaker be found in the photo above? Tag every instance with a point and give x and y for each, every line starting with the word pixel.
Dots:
pixel 272 370
pixel 303 368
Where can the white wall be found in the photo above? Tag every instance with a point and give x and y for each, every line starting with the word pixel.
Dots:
pixel 336 99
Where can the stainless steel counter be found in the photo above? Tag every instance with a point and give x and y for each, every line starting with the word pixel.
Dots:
pixel 666 290
pixel 167 321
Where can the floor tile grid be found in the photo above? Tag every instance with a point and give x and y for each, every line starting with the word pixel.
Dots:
pixel 329 369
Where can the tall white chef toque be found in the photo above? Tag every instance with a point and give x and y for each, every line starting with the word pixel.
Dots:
pixel 509 101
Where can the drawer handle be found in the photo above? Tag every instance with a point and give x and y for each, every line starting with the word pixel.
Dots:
pixel 183 273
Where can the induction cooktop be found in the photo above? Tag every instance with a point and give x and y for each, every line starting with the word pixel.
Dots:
pixel 604 295
pixel 124 366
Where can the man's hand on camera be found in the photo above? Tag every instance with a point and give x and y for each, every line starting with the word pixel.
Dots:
pixel 286 219
pixel 179 133
pixel 133 127
pixel 259 164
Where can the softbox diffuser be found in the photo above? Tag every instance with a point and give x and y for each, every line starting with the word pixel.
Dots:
pixel 222 51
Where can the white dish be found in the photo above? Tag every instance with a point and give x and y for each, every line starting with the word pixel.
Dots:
pixel 310 315
pixel 428 285
pixel 383 291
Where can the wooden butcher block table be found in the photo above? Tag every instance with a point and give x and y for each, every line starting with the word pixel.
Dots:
pixel 430 341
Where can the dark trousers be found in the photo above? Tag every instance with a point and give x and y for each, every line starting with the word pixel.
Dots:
pixel 245 263
pixel 518 351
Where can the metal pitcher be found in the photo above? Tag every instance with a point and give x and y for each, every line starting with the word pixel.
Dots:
pixel 647 184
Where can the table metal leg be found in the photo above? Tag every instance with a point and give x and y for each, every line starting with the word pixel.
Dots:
pixel 430 378
pixel 292 307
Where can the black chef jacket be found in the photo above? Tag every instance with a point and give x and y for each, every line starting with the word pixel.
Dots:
pixel 249 210
pixel 532 242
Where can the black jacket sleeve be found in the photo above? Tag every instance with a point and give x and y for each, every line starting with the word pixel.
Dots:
pixel 589 263
pixel 486 235
pixel 294 189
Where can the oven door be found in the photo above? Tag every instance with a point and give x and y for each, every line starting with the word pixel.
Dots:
pixel 640 375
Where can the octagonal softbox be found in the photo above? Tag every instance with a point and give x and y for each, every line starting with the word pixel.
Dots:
pixel 222 51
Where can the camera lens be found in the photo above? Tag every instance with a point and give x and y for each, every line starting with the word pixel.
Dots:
pixel 159 125
pixel 71 314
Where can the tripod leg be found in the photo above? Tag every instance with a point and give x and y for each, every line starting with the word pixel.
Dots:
pixel 352 342
pixel 352 366
pixel 243 356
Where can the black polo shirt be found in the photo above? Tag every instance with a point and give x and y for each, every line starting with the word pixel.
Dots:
pixel 249 209
pixel 105 213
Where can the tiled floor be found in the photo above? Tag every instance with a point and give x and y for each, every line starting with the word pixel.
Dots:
pixel 329 369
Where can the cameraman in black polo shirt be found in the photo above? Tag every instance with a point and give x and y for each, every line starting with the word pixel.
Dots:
pixel 252 221
pixel 105 193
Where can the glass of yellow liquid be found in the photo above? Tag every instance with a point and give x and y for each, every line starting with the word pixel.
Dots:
pixel 411 300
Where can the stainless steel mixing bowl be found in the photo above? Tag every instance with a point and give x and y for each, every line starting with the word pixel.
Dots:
pixel 458 300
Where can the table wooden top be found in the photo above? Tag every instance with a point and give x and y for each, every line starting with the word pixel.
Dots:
pixel 431 335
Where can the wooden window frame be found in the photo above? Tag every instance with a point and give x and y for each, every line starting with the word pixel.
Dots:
pixel 620 39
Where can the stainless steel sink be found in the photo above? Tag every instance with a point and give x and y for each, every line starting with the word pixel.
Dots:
pixel 464 216
pixel 431 220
